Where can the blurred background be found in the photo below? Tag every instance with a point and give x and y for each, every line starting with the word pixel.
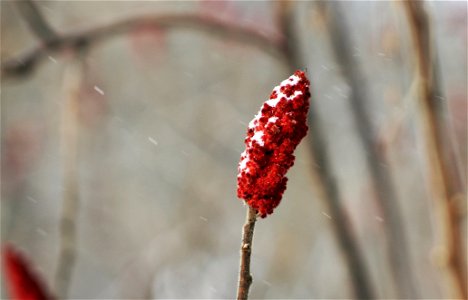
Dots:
pixel 122 125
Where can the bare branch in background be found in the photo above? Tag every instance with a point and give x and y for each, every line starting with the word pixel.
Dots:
pixel 72 84
pixel 328 190
pixel 36 22
pixel 397 245
pixel 24 63
pixel 445 182
pixel 69 143
pixel 324 179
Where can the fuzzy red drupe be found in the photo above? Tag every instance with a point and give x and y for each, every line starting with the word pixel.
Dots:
pixel 21 281
pixel 272 137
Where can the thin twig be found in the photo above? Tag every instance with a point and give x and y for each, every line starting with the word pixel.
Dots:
pixel 70 135
pixel 380 176
pixel 24 63
pixel 322 174
pixel 445 183
pixel 245 278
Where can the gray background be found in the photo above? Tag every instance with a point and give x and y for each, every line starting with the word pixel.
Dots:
pixel 162 219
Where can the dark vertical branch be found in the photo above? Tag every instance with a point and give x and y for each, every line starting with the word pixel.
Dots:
pixel 245 278
pixel 36 22
pixel 324 179
pixel 380 176
pixel 444 180
pixel 328 189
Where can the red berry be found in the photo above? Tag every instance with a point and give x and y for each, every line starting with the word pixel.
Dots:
pixel 272 137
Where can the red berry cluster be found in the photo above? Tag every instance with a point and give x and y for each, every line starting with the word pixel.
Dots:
pixel 272 137
pixel 21 281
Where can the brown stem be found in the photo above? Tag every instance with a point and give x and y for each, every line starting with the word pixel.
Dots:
pixel 70 136
pixel 24 63
pixel 245 279
pixel 445 181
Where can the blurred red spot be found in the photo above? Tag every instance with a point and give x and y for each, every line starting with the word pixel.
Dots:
pixel 21 281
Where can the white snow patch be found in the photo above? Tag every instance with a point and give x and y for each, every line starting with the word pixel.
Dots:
pixel 274 101
pixel 245 157
pixel 272 119
pixel 258 138
pixel 254 121
pixel 243 163
pixel 280 95
pixel 292 80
